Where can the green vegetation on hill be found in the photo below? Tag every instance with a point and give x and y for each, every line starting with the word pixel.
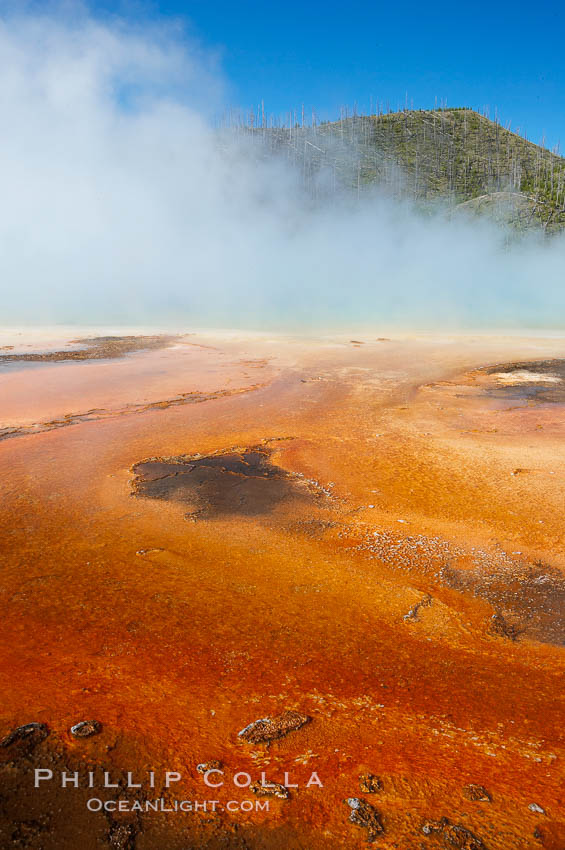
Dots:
pixel 456 155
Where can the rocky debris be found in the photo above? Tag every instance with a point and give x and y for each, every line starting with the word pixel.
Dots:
pixel 270 728
pixel 477 794
pixel 25 738
pixel 533 807
pixel 366 816
pixel 86 729
pixel 500 627
pixel 271 789
pixel 370 784
pixel 205 766
pixel 122 836
pixel 454 835
pixel 412 614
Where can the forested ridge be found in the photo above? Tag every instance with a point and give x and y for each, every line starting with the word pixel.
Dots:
pixel 456 156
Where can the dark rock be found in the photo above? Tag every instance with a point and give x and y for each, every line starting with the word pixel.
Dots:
pixel 270 728
pixel 86 729
pixel 205 766
pixel 25 738
pixel 366 816
pixel 477 794
pixel 461 838
pixel 272 789
pixel 500 627
pixel 122 836
pixel 454 835
pixel 369 783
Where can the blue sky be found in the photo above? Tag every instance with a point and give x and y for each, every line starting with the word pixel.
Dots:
pixel 328 55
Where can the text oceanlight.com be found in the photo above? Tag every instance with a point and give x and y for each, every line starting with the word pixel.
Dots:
pixel 95 804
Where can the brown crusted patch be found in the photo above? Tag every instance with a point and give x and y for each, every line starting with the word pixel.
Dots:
pixel 454 835
pixel 96 348
pixel 205 766
pixel 477 794
pixel 24 739
pixel 370 784
pixel 86 728
pixel 271 789
pixel 500 627
pixel 270 728
pixel 529 601
pixel 98 414
pixel 121 836
pixel 547 388
pixel 365 815
pixel 234 481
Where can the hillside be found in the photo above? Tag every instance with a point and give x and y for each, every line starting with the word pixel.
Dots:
pixel 456 155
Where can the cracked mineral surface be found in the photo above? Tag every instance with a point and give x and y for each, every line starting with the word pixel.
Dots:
pixel 233 481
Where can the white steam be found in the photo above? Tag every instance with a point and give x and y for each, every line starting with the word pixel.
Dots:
pixel 120 203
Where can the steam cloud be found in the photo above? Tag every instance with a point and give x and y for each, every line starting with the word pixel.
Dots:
pixel 121 203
